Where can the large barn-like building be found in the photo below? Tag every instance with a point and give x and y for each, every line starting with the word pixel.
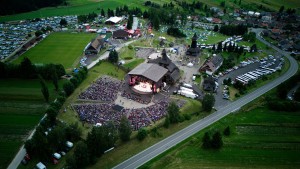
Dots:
pixel 94 46
pixel 151 77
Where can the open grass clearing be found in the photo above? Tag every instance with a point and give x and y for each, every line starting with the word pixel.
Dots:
pixel 131 65
pixel 260 137
pixel 58 48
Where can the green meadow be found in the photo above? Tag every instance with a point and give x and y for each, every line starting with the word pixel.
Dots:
pixel 260 138
pixel 59 48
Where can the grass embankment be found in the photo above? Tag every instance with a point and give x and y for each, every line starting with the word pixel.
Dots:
pixel 22 107
pixel 260 138
pixel 59 48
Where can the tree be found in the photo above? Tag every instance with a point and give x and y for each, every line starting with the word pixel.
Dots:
pixel 156 22
pixel 142 134
pixel 81 155
pixel 217 141
pixel 253 48
pixel 113 56
pixel 222 4
pixel 216 28
pixel 102 12
pixel 63 22
pixel 125 129
pixel 27 69
pixel 206 142
pixel 54 78
pixel 44 89
pixel 226 131
pixel 208 102
pixel 167 122
pixel 57 138
pixel 173 112
pixel 240 2
pixel 51 115
pixel 130 22
pixel 281 9
pixel 73 132
pixel 68 88
pixel 219 47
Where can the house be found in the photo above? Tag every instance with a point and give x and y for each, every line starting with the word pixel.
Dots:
pixel 211 65
pixel 94 46
pixel 209 84
pixel 120 34
pixel 216 20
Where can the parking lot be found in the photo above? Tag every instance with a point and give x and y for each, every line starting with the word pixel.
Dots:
pixel 242 69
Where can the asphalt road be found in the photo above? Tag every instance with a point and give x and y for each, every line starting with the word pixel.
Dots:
pixel 162 146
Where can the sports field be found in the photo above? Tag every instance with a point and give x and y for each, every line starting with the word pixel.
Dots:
pixel 260 139
pixel 21 107
pixel 59 47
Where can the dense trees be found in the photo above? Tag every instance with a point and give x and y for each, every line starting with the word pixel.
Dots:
pixel 27 69
pixel 208 102
pixel 251 36
pixel 125 129
pixel 175 32
pixel 231 30
pixel 18 6
pixel 215 142
pixel 86 18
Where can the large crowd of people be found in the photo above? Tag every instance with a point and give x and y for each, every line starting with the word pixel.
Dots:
pixel 98 113
pixel 135 97
pixel 105 89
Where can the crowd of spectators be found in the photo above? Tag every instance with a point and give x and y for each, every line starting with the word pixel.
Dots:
pixel 105 89
pixel 98 113
pixel 14 34
pixel 135 97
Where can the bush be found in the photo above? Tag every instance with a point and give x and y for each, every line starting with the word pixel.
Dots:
pixel 142 134
pixel 130 47
pixel 226 131
pixel 68 88
pixel 187 117
pixel 237 95
pixel 128 58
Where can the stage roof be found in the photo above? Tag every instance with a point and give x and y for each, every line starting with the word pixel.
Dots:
pixel 151 71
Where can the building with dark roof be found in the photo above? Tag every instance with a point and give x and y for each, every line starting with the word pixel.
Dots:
pixel 194 50
pixel 211 65
pixel 209 84
pixel 95 46
pixel 120 34
pixel 173 73
pixel 150 71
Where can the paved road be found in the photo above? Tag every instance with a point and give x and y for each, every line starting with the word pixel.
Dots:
pixel 183 134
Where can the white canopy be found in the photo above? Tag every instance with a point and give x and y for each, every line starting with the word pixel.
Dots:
pixel 190 64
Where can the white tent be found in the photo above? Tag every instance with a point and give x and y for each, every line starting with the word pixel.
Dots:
pixel 190 64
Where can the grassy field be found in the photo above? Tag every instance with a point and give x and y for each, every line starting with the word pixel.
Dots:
pixel 63 48
pixel 22 106
pixel 260 139
pixel 131 65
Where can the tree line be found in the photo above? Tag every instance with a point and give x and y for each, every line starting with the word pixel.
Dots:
pixel 27 70
pixel 19 6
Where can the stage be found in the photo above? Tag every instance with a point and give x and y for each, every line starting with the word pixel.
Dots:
pixel 143 88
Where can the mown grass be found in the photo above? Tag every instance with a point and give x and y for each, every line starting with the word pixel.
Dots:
pixel 260 138
pixel 131 65
pixel 60 48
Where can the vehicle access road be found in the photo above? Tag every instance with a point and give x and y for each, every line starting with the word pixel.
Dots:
pixel 160 147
